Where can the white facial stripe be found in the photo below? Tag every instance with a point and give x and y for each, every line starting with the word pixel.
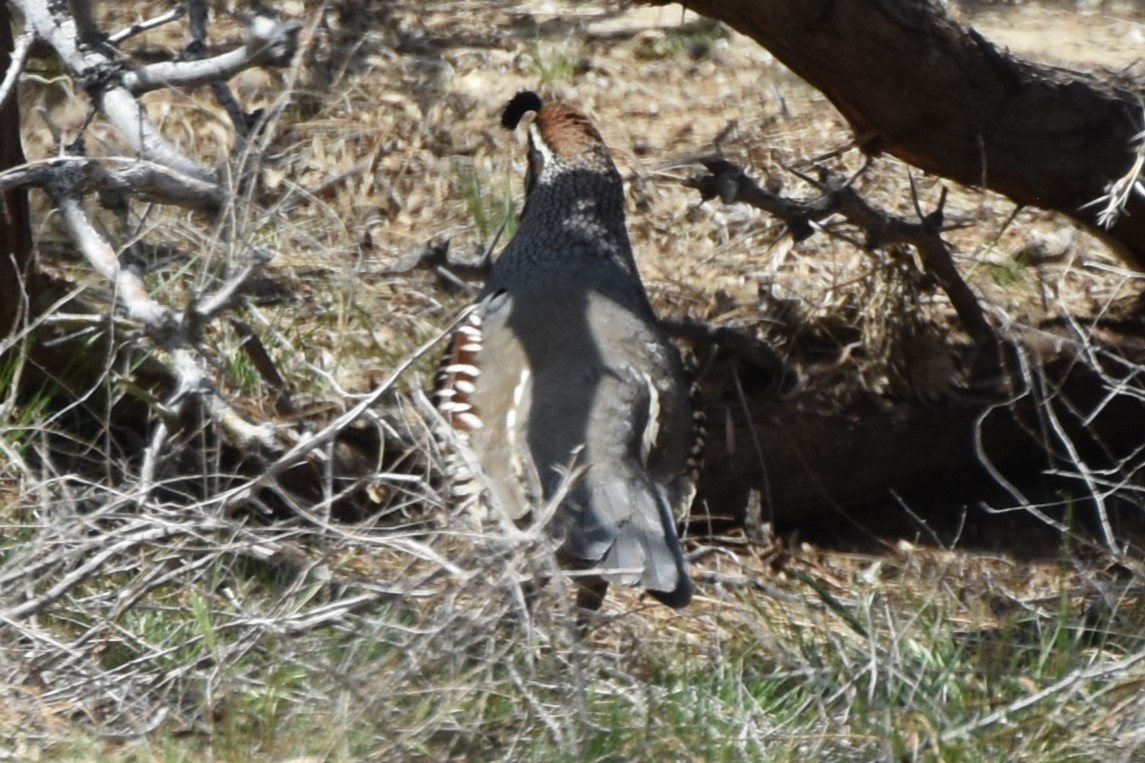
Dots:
pixel 540 144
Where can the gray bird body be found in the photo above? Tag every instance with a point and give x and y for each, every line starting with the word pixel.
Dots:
pixel 578 388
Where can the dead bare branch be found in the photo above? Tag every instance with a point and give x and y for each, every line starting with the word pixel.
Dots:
pixel 1121 191
pixel 175 332
pixel 838 196
pixel 123 35
pixel 129 287
pixel 271 43
pixel 19 58
pixel 240 495
pixel 98 72
pixel 148 180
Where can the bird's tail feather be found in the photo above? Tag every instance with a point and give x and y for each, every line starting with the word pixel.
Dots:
pixel 628 526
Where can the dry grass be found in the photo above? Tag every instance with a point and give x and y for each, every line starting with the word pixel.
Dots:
pixel 175 634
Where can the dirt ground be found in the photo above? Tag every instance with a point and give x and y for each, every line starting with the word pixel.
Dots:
pixel 1072 35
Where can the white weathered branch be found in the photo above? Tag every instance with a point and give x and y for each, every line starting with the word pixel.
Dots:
pixel 170 330
pixel 123 35
pixel 126 113
pixel 18 59
pixel 148 180
pixel 129 288
pixel 160 172
pixel 101 74
pixel 271 43
pixel 96 70
pixel 228 295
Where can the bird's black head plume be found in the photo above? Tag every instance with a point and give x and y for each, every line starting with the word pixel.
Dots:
pixel 520 105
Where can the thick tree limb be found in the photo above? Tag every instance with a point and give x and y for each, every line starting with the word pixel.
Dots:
pixel 914 83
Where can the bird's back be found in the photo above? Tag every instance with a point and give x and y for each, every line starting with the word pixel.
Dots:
pixel 578 390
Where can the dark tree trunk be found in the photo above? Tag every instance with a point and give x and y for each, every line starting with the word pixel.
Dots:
pixel 913 82
pixel 15 228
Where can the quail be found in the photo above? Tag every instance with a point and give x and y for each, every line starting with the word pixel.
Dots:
pixel 562 385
